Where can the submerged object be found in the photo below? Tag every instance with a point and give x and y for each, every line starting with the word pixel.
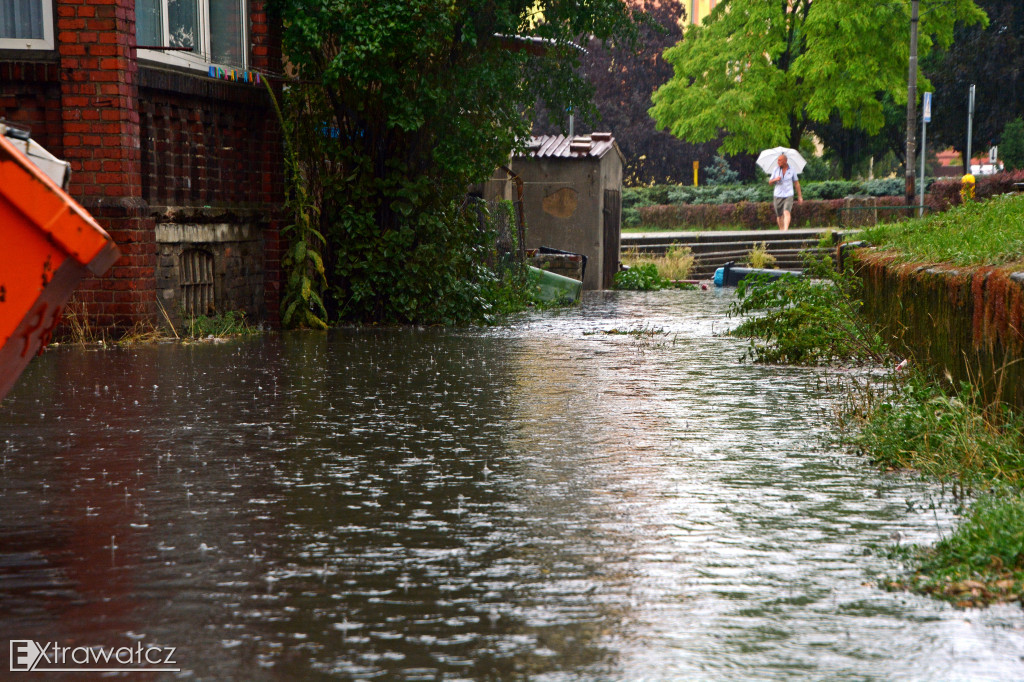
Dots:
pixel 729 276
pixel 554 288
pixel 50 243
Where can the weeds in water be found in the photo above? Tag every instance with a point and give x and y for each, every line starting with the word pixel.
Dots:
pixel 912 422
pixel 230 323
pixel 806 321
pixel 675 264
pixel 982 562
pixel 80 330
pixel 950 436
pixel 758 257
pixel 642 277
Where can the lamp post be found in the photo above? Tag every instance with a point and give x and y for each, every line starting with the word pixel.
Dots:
pixel 912 103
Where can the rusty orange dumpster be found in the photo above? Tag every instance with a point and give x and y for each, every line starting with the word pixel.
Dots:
pixel 49 244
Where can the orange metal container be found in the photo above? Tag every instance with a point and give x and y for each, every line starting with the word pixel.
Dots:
pixel 47 244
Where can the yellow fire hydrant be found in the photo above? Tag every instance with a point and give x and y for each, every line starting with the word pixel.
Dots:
pixel 967 188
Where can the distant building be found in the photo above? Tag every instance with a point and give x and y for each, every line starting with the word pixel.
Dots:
pixel 696 10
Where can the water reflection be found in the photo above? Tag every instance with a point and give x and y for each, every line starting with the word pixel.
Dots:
pixel 543 501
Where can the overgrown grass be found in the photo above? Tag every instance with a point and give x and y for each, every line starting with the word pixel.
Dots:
pixel 982 562
pixel 915 423
pixel 977 233
pixel 230 323
pixel 675 264
pixel 950 436
pixel 805 320
pixel 758 257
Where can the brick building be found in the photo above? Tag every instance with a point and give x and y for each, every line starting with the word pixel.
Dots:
pixel 161 109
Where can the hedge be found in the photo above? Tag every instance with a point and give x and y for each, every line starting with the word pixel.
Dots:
pixel 824 212
pixel 851 212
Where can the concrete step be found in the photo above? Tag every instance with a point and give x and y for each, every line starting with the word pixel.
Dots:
pixel 690 238
pixel 714 249
pixel 720 247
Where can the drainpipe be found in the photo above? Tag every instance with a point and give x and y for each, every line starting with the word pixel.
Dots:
pixel 520 220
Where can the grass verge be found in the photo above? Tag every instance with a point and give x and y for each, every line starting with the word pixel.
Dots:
pixel 950 435
pixel 230 323
pixel 976 233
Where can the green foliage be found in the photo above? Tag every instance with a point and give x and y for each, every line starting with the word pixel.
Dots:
pixel 641 277
pixel 764 71
pixel 302 303
pixel 949 436
pixel 805 320
pixel 719 172
pixel 402 106
pixel 830 189
pixel 991 538
pixel 977 233
pixel 758 257
pixel 1011 145
pixel 230 323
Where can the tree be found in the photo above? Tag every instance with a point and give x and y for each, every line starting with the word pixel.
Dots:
pixel 1011 146
pixel 852 146
pixel 990 57
pixel 764 72
pixel 399 106
pixel 624 81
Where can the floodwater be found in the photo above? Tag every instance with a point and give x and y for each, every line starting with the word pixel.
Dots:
pixel 547 501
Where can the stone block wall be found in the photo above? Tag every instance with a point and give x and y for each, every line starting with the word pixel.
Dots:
pixel 236 276
pixel 967 321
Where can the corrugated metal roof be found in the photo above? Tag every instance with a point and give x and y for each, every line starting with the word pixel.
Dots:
pixel 595 145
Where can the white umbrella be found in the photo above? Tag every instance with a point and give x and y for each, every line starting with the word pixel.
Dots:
pixel 768 160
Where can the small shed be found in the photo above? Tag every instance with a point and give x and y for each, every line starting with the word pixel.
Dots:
pixel 573 199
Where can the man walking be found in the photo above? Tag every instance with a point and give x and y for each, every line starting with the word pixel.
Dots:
pixel 785 180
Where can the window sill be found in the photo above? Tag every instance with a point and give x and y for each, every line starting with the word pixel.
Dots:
pixel 41 55
pixel 159 76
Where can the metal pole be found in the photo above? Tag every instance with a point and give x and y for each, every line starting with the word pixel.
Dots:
pixel 970 130
pixel 912 103
pixel 924 144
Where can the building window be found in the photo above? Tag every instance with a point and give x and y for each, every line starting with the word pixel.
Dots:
pixel 214 30
pixel 196 277
pixel 26 24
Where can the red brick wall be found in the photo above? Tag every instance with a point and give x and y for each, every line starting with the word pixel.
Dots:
pixel 143 139
pixel 214 145
pixel 28 91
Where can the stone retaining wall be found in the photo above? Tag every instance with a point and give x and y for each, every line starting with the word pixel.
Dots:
pixel 967 321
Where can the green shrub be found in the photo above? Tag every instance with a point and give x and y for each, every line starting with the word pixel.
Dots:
pixel 805 321
pixel 884 187
pixel 641 277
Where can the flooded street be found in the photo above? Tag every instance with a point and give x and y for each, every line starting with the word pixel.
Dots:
pixel 547 501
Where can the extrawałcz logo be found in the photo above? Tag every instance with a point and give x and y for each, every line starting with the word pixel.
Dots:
pixel 30 656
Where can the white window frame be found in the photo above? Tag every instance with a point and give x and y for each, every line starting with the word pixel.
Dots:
pixel 45 43
pixel 197 60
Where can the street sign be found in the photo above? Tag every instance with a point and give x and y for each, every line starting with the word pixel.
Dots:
pixel 993 155
pixel 927 108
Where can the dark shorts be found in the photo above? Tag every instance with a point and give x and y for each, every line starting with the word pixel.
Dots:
pixel 783 204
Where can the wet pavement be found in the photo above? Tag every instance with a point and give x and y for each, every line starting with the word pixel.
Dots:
pixel 553 500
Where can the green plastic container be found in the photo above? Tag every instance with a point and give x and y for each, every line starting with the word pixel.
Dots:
pixel 552 288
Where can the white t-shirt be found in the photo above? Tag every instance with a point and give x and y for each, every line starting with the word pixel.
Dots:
pixel 784 187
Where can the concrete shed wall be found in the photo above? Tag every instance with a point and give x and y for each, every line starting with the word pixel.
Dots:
pixel 563 205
